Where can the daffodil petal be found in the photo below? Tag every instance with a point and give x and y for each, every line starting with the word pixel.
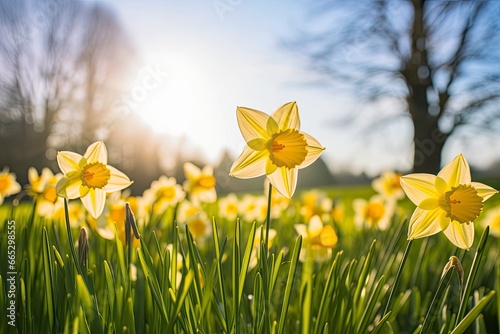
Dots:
pixel 208 196
pixel 96 152
pixel 249 164
pixel 483 190
pixel 68 187
pixel 83 191
pixel 419 187
pixel 270 167
pixel 424 223
pixel 94 202
pixel 461 235
pixel 301 229
pixel 444 222
pixel 207 170
pixel 117 180
pixel 314 150
pixel 314 227
pixel 252 123
pixel 429 203
pixel 68 161
pixel 191 171
pixel 287 116
pixel 272 126
pixel 284 180
pixel 456 172
pixel 441 185
pixel 328 236
pixel 257 144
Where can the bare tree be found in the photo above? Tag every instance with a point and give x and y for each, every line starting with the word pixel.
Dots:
pixel 63 66
pixel 435 61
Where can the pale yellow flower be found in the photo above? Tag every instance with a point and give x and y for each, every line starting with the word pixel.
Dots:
pixel 388 185
pixel 228 207
pixel 8 184
pixel 492 219
pixel 200 183
pixel 448 202
pixel 43 188
pixel 374 212
pixel 315 202
pixel 113 219
pixel 317 240
pixel 338 211
pixel 89 177
pixel 163 193
pixel 275 147
pixel 192 215
pixel 253 208
pixel 254 256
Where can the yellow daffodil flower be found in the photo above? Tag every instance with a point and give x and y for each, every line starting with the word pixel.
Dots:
pixel 388 185
pixel 492 219
pixel 374 212
pixel 275 147
pixel 163 193
pixel 43 188
pixel 192 215
pixel 200 183
pixel 8 185
pixel 315 202
pixel 229 207
pixel 318 240
pixel 448 202
pixel 89 177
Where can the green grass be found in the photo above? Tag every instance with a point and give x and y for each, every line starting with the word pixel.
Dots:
pixel 216 293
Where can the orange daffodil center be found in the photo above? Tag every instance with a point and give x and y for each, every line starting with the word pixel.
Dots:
pixel 287 148
pixel 448 202
pixel 95 175
pixel 461 204
pixel 275 147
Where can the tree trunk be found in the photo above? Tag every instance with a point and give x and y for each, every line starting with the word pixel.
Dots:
pixel 428 143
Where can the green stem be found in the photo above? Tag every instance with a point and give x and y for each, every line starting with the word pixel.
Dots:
pixel 70 239
pixel 398 275
pixel 472 275
pixel 268 215
pixel 307 284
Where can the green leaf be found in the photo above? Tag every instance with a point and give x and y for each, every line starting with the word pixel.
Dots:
pixel 473 314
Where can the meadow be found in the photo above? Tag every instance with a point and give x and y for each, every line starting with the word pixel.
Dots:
pixel 216 280
pixel 406 254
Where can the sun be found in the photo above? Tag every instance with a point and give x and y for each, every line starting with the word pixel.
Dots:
pixel 174 96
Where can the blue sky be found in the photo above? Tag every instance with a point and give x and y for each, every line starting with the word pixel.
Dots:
pixel 214 55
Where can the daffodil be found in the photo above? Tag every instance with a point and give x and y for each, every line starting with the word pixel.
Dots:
pixel 388 185
pixel 43 188
pixel 448 202
pixel 8 184
pixel 89 177
pixel 318 240
pixel 163 193
pixel 492 219
pixel 229 207
pixel 192 215
pixel 200 183
pixel 275 147
pixel 315 202
pixel 374 212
